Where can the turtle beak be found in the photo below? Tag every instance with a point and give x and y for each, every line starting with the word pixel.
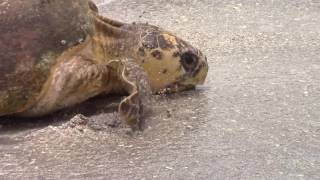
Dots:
pixel 200 77
pixel 190 81
pixel 200 73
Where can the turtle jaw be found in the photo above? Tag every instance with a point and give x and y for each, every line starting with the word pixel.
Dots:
pixel 197 77
pixel 176 87
pixel 203 74
pixel 188 81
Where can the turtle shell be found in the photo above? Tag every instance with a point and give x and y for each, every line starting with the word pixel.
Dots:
pixel 33 33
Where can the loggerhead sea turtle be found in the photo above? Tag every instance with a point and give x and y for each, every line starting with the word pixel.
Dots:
pixel 58 53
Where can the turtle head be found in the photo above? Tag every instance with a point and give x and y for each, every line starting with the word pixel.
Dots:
pixel 171 63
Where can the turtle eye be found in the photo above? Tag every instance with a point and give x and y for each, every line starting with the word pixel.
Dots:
pixel 189 61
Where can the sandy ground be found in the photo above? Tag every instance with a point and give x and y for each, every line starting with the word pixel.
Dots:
pixel 257 116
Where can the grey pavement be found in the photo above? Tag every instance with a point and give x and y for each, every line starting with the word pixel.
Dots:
pixel 256 117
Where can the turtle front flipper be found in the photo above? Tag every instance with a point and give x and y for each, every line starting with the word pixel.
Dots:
pixel 135 82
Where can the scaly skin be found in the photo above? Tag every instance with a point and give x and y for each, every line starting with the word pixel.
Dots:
pixel 79 76
pixel 167 59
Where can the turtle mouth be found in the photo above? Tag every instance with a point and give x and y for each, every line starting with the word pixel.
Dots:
pixel 176 87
